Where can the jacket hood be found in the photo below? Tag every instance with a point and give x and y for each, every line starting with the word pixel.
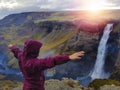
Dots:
pixel 31 48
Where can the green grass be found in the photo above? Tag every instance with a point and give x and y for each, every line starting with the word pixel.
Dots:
pixel 12 27
pixel 101 82
pixel 50 42
pixel 13 63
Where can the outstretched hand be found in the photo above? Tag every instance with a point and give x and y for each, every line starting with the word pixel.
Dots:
pixel 10 45
pixel 77 55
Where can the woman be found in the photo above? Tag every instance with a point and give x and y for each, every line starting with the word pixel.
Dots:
pixel 33 67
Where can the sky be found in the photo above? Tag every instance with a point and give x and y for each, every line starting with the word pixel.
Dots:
pixel 17 6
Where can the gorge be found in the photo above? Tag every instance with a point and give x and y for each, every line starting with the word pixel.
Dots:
pixel 64 34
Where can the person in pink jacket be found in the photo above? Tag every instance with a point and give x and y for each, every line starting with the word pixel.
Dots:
pixel 33 67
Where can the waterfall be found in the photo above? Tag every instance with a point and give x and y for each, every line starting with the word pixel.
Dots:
pixel 98 71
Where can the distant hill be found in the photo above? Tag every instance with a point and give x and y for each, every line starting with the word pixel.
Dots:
pixel 21 18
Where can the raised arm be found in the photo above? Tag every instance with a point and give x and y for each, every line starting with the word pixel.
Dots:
pixel 50 62
pixel 60 59
pixel 16 51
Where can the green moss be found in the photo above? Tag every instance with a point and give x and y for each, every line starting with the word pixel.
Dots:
pixel 101 82
pixel 9 84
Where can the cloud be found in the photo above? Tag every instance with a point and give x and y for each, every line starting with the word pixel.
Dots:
pixel 116 2
pixel 9 4
pixel 17 6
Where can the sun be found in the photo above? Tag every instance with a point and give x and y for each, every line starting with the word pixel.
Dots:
pixel 94 8
pixel 95 5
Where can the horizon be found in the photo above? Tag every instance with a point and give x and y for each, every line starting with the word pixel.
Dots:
pixel 72 10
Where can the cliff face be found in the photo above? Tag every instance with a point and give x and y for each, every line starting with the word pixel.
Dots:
pixel 117 64
pixel 60 34
pixel 116 72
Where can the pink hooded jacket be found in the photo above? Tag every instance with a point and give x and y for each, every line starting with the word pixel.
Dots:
pixel 32 67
